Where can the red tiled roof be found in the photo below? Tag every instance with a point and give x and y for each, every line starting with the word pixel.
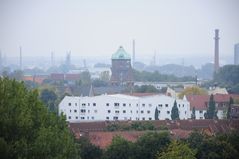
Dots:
pixel 104 139
pixel 95 131
pixel 72 76
pixel 200 101
pixel 36 79
pixel 57 76
pixel 180 134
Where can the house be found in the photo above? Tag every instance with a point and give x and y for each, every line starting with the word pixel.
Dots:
pixel 174 92
pixel 121 107
pixel 36 78
pixel 200 103
pixel 217 90
pixel 97 134
pixel 234 112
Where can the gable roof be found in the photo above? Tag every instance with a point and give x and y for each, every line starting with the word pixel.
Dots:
pixel 96 131
pixel 120 54
pixel 200 101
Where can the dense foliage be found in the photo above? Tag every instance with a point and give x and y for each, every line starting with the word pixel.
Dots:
pixel 222 146
pixel 49 97
pixel 193 115
pixel 228 76
pixel 157 77
pixel 156 114
pixel 192 91
pixel 159 145
pixel 178 150
pixel 211 111
pixel 28 129
pixel 174 111
pixel 88 150
pixel 145 89
pixel 139 126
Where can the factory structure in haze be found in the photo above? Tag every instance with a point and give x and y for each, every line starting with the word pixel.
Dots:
pixel 216 51
pixel 236 54
pixel 122 73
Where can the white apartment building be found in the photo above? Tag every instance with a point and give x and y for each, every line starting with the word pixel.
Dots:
pixel 121 107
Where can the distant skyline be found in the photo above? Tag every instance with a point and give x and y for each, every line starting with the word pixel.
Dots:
pixel 94 29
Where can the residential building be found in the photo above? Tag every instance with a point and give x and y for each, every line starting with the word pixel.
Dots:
pixel 217 90
pixel 200 103
pixel 121 107
pixel 98 135
pixel 234 111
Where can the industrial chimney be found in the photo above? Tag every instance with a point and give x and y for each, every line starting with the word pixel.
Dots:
pixel 20 58
pixel 133 56
pixel 216 51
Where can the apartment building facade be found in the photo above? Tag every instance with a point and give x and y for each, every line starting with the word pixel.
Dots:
pixel 121 107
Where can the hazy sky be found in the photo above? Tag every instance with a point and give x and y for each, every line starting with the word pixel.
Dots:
pixel 175 29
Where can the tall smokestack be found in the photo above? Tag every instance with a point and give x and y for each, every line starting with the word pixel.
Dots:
pixel 1 60
pixel 52 59
pixel 133 58
pixel 216 51
pixel 20 62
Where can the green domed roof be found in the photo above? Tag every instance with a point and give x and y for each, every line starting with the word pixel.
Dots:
pixel 120 54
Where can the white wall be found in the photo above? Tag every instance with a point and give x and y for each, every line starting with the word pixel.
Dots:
pixel 130 108
pixel 200 114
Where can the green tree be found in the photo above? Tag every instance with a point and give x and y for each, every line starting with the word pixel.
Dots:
pixel 195 139
pixel 229 108
pixel 49 97
pixel 211 111
pixel 105 76
pixel 146 89
pixel 195 90
pixel 193 115
pixel 88 150
pixel 150 143
pixel 213 148
pixel 174 111
pixel 31 84
pixel 177 150
pixel 119 149
pixel 228 75
pixel 28 129
pixel 17 75
pixel 99 83
pixel 85 78
pixel 235 89
pixel 156 114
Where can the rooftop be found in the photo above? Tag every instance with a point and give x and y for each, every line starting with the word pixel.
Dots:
pixel 120 54
pixel 96 131
pixel 200 101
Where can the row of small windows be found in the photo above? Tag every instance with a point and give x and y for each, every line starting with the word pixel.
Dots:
pixel 125 118
pixel 83 104
pixel 74 111
pixel 107 118
pixel 124 104
pixel 161 105
pixel 124 111
pixel 70 104
pixel 83 111
pixel 76 117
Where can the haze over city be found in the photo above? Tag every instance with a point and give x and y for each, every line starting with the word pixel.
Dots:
pixel 174 30
pixel 119 79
